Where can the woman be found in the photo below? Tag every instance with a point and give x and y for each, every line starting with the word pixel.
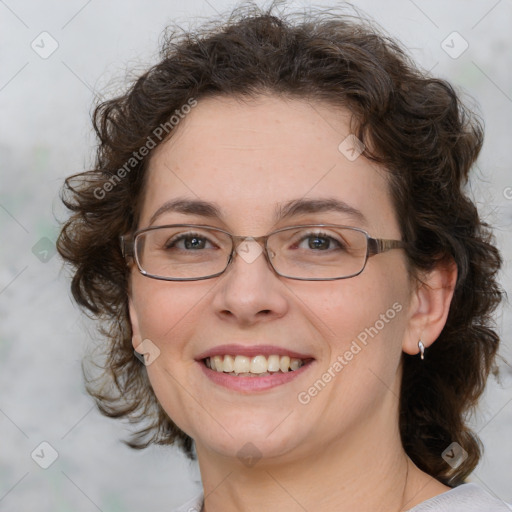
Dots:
pixel 291 281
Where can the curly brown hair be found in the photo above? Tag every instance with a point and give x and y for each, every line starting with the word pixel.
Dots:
pixel 411 123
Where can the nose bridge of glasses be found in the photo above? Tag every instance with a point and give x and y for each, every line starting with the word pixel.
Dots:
pixel 240 239
pixel 249 247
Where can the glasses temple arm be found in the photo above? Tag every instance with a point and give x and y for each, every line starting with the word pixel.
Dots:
pixel 379 245
pixel 126 244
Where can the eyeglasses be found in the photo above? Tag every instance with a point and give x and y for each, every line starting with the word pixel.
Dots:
pixel 313 252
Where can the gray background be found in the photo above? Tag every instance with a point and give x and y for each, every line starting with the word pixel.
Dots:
pixel 45 135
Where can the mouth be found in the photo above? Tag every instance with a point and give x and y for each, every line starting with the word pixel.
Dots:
pixel 253 368
pixel 257 366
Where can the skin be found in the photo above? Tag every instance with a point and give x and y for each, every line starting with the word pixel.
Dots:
pixel 342 450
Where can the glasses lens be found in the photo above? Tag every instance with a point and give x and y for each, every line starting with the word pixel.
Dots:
pixel 318 252
pixel 182 252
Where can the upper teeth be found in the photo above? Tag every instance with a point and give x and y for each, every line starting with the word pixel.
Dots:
pixel 257 364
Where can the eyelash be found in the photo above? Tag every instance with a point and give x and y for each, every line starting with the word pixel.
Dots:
pixel 321 235
pixel 184 236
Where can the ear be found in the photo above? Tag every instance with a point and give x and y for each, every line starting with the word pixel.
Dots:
pixel 429 306
pixel 134 321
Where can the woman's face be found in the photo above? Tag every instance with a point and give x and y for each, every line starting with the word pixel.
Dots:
pixel 248 159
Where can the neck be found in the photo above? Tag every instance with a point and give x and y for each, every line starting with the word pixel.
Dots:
pixel 360 471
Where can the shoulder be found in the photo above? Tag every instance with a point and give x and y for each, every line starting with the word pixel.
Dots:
pixel 194 505
pixel 464 498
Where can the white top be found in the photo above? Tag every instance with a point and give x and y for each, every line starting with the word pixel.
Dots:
pixel 464 498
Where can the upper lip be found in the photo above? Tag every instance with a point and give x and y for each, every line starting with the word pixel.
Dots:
pixel 251 351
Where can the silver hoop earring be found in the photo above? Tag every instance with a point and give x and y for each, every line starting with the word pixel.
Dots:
pixel 422 349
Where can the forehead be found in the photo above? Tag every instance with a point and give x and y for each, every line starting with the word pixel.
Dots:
pixel 251 157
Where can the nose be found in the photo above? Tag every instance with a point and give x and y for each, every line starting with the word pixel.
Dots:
pixel 250 291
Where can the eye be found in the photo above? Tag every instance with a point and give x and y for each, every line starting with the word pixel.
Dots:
pixel 320 242
pixel 189 241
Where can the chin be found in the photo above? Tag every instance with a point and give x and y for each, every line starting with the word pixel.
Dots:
pixel 262 440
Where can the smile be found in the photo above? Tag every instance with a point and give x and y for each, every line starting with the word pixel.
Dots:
pixel 253 373
pixel 257 366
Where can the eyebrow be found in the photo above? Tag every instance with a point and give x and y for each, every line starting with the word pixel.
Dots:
pixel 290 209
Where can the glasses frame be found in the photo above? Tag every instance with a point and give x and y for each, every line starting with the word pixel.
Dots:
pixel 373 246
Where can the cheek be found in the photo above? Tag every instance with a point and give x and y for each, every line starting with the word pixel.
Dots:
pixel 363 321
pixel 349 307
pixel 363 318
pixel 167 311
pixel 168 316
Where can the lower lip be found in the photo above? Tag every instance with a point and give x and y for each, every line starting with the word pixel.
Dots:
pixel 251 384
